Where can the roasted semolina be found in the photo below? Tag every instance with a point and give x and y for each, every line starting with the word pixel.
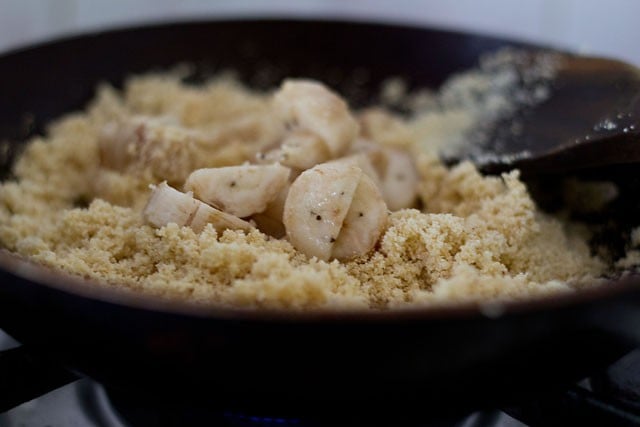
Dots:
pixel 475 237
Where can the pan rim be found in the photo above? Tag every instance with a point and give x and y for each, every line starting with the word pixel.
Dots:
pixel 93 289
pixel 323 19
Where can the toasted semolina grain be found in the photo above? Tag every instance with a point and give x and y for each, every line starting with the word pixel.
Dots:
pixel 476 238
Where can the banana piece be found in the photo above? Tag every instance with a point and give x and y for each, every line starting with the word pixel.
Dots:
pixel 334 210
pixel 168 205
pixel 365 222
pixel 318 122
pixel 384 128
pixel 270 221
pixel 239 190
pixel 399 179
pixel 303 150
pixel 169 151
pixel 392 169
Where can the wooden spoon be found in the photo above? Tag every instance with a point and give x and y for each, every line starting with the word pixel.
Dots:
pixel 590 120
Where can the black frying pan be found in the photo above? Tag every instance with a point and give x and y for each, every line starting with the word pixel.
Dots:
pixel 422 360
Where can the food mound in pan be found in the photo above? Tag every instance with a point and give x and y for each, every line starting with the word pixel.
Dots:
pixel 224 195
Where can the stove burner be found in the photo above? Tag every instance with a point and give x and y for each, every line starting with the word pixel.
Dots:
pixel 86 403
pixel 150 412
pixel 611 398
pixel 621 381
pixel 240 418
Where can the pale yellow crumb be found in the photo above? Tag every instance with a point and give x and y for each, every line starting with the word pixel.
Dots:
pixel 477 238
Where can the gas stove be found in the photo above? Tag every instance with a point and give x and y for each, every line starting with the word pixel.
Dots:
pixel 85 403
pixel 608 398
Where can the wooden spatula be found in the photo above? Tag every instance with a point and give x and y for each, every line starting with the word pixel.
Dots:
pixel 590 120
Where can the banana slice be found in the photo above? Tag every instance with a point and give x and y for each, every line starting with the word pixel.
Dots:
pixel 365 222
pixel 270 221
pixel 239 190
pixel 322 213
pixel 392 169
pixel 303 150
pixel 319 125
pixel 399 179
pixel 168 205
pixel 153 143
pixel 384 128
pixel 170 151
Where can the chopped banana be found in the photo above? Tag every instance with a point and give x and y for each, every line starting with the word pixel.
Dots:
pixel 303 150
pixel 319 123
pixel 392 169
pixel 318 210
pixel 239 190
pixel 399 179
pixel 365 222
pixel 141 142
pixel 364 162
pixel 168 205
pixel 169 151
pixel 270 221
pixel 384 128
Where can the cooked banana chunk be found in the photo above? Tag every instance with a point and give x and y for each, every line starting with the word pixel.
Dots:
pixel 167 150
pixel 319 124
pixel 364 162
pixel 399 179
pixel 384 128
pixel 146 143
pixel 317 204
pixel 168 205
pixel 393 171
pixel 270 221
pixel 239 190
pixel 303 150
pixel 365 222
pixel 318 210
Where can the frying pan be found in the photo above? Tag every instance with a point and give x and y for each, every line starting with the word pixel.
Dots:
pixel 427 361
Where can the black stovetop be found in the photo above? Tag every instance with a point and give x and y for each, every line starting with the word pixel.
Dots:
pixel 86 404
pixel 607 398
